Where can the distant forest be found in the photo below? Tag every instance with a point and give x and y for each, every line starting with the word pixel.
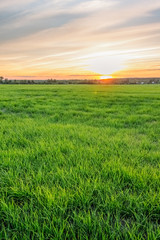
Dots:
pixel 84 81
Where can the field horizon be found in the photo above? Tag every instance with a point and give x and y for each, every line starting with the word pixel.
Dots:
pixel 109 81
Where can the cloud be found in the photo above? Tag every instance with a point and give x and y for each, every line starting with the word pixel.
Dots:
pixel 36 16
pixel 150 17
pixel 36 25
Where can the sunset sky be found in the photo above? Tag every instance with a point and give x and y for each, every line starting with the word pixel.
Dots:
pixel 79 39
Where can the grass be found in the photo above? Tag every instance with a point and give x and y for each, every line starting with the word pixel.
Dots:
pixel 79 162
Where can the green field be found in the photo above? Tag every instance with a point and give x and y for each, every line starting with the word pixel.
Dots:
pixel 79 162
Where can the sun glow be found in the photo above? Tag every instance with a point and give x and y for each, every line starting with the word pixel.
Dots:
pixel 105 77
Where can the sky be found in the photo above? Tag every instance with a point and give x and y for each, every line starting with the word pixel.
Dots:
pixel 79 39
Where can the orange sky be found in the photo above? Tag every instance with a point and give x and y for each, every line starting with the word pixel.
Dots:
pixel 79 39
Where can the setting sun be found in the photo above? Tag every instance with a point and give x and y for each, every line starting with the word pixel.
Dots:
pixel 105 77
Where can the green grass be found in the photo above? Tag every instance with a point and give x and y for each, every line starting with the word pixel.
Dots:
pixel 79 162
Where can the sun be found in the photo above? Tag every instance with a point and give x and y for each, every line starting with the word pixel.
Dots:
pixel 105 77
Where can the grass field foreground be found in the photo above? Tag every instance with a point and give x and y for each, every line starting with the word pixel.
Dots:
pixel 79 162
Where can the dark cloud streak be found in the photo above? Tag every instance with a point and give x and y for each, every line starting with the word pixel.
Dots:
pixel 34 26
